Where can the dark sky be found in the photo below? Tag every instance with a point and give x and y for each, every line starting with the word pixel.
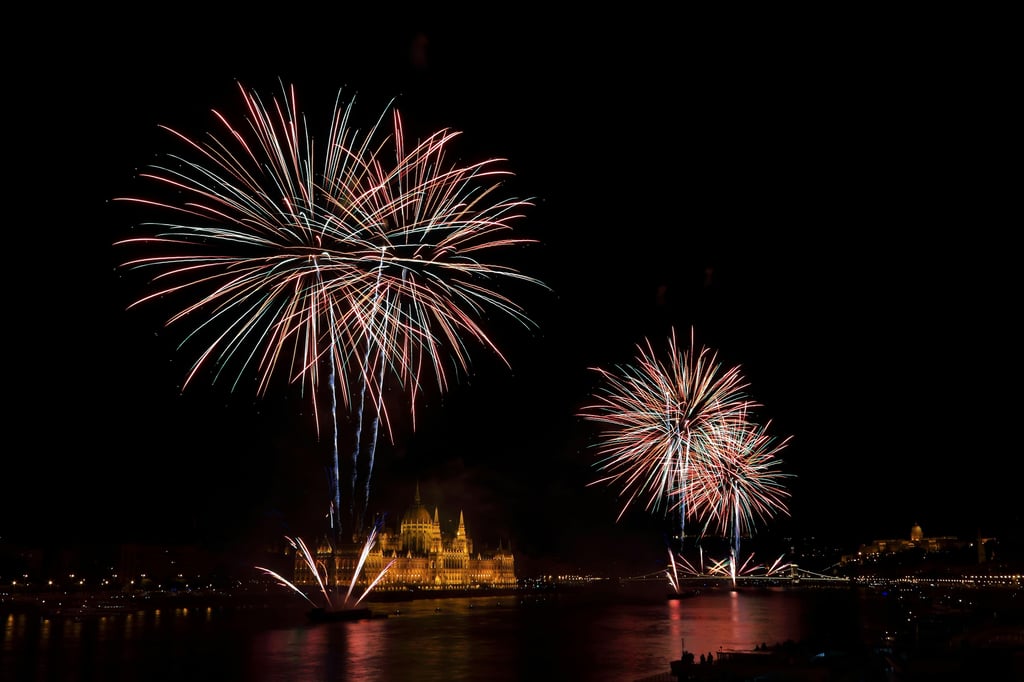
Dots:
pixel 826 203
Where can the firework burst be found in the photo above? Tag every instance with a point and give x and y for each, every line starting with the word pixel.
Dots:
pixel 329 264
pixel 677 435
pixel 661 423
pixel 745 486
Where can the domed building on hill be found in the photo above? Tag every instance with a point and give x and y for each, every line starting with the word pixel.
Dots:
pixel 917 541
pixel 424 557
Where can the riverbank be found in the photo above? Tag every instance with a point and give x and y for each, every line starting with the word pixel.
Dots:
pixel 79 605
pixel 801 662
pixel 932 633
pixel 409 594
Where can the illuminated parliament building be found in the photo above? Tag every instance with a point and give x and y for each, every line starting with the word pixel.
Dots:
pixel 424 557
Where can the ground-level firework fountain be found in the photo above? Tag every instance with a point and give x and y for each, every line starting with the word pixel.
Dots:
pixel 728 567
pixel 333 608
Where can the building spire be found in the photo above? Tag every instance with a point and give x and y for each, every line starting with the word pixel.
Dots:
pixel 417 498
pixel 462 527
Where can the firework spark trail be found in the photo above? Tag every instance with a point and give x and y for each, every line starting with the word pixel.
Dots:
pixel 746 566
pixel 376 269
pixel 720 567
pixel 777 566
pixel 299 546
pixel 284 582
pixel 673 571
pixel 371 540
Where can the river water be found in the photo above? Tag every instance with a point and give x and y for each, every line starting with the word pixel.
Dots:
pixel 614 634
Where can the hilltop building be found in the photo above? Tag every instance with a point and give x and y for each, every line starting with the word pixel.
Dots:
pixel 879 549
pixel 425 557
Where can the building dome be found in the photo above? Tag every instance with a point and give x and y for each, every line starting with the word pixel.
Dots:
pixel 916 534
pixel 417 514
pixel 418 555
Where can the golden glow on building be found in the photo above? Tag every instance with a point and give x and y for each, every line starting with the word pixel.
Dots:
pixel 424 558
pixel 917 540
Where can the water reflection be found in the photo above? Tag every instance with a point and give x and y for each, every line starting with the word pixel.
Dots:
pixel 572 637
pixel 613 637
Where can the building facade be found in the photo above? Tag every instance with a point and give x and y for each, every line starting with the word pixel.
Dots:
pixel 419 555
pixel 916 541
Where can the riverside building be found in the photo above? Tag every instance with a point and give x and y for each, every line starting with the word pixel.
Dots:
pixel 425 557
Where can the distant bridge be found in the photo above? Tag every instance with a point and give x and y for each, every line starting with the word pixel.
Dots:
pixel 790 575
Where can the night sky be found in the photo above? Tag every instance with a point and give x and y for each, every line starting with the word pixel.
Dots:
pixel 825 204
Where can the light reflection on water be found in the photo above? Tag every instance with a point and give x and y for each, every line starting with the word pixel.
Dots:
pixel 615 636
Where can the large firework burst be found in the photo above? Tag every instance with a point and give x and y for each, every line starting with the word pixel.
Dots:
pixel 343 264
pixel 661 421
